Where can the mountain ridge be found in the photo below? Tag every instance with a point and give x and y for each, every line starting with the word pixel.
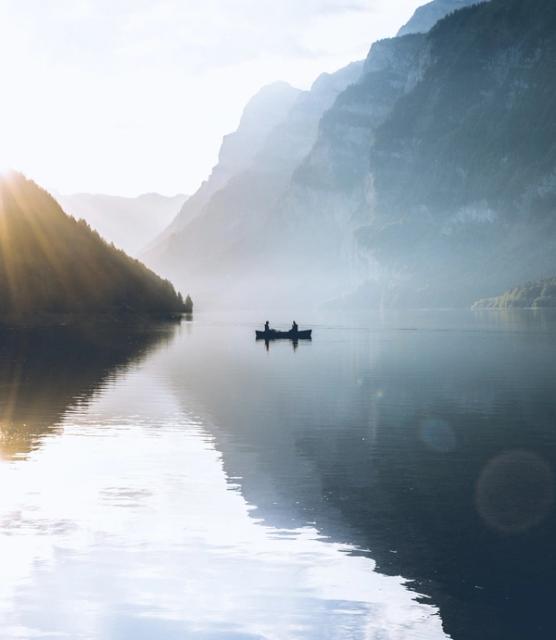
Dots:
pixel 231 213
pixel 421 183
pixel 428 15
pixel 129 222
pixel 262 112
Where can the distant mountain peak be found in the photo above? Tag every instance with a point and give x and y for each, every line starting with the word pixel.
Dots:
pixel 130 223
pixel 264 111
pixel 426 16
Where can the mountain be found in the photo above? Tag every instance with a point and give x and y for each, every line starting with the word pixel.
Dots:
pixel 204 249
pixel 431 182
pixel 330 194
pixel 533 295
pixel 427 180
pixel 51 263
pixel 463 187
pixel 130 223
pixel 425 17
pixel 263 112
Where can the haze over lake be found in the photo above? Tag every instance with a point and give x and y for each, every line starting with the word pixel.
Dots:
pixel 184 481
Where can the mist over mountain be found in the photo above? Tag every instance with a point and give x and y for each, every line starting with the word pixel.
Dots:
pixel 263 112
pixel 463 169
pixel 52 263
pixel 230 210
pixel 130 223
pixel 426 180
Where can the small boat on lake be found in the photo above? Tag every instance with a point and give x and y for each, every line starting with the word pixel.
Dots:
pixel 273 334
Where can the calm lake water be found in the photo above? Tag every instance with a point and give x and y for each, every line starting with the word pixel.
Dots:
pixel 393 479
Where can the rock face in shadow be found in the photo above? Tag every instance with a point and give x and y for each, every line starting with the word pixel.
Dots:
pixel 44 372
pixel 431 182
pixel 463 168
pixel 331 192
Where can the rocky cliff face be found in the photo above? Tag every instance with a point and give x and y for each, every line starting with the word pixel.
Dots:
pixel 331 195
pixel 463 168
pixel 432 179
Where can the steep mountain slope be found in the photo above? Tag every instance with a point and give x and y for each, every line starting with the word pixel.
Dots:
pixel 288 227
pixel 463 170
pixel 430 182
pixel 263 112
pixel 235 214
pixel 130 223
pixel 446 193
pixel 50 263
pixel 330 193
pixel 424 19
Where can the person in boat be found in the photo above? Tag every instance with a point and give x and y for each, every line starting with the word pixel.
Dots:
pixel 267 326
pixel 295 328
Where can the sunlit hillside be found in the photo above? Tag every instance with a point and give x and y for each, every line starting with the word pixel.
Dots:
pixel 52 263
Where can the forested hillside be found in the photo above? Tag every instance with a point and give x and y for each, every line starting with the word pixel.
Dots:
pixel 51 263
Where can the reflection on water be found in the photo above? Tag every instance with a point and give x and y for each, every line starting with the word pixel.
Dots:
pixel 45 371
pixel 125 526
pixel 207 488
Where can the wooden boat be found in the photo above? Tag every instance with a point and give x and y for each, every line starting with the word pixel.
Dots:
pixel 284 335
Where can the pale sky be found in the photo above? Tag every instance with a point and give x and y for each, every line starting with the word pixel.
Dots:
pixel 133 96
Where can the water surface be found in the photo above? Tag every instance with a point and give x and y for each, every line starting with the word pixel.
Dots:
pixel 393 479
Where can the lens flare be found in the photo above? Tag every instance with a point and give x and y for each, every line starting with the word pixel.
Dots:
pixel 515 492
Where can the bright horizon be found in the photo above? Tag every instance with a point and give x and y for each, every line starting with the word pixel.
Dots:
pixel 129 97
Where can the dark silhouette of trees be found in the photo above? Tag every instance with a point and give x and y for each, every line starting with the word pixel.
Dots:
pixel 52 263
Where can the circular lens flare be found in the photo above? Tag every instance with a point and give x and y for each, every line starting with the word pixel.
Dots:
pixel 515 491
